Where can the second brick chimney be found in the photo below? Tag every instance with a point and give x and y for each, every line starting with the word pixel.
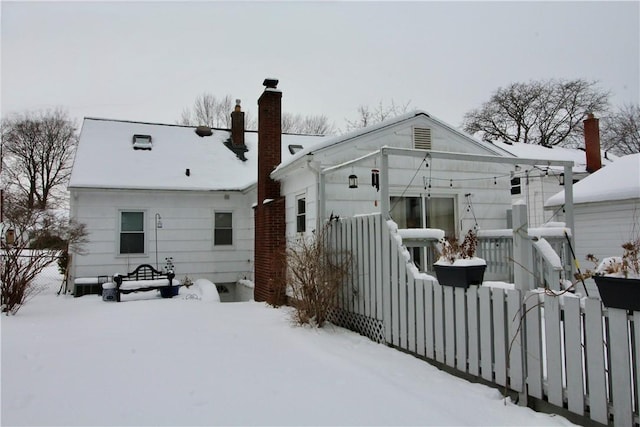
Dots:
pixel 270 230
pixel 592 143
pixel 237 126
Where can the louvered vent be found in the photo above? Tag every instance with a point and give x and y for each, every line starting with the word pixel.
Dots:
pixel 422 138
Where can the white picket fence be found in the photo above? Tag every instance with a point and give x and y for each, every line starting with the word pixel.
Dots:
pixel 566 351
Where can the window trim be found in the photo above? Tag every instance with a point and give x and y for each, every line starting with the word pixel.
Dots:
pixel 233 233
pixel 145 239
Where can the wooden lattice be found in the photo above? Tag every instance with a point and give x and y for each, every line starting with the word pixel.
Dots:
pixel 367 326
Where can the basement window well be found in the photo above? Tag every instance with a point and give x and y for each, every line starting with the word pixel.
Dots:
pixel 142 142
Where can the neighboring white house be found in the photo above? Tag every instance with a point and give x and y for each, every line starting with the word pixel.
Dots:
pixel 149 191
pixel 606 209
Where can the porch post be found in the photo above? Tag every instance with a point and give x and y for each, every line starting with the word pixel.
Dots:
pixel 568 208
pixel 522 253
pixel 384 184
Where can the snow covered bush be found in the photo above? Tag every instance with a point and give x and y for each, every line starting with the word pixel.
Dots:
pixel 315 275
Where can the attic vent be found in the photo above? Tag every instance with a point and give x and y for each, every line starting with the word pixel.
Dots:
pixel 142 142
pixel 294 148
pixel 422 138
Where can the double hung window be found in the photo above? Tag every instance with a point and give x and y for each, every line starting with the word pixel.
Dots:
pixel 132 240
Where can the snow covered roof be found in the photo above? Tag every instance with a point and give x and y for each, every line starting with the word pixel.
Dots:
pixel 535 151
pixel 618 181
pixel 105 157
pixel 328 142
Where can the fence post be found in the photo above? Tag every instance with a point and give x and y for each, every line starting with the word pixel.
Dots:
pixel 522 253
pixel 523 280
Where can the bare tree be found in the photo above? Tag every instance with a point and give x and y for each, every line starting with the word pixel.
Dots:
pixel 24 255
pixel 367 116
pixel 209 110
pixel 215 112
pixel 37 151
pixel 548 112
pixel 621 130
pixel 310 125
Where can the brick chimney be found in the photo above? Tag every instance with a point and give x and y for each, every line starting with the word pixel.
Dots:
pixel 237 126
pixel 592 143
pixel 270 241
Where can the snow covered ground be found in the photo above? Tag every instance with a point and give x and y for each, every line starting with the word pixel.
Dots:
pixel 187 361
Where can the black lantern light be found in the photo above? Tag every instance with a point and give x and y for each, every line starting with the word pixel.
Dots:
pixel 353 181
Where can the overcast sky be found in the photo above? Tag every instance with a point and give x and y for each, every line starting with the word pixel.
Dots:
pixel 146 61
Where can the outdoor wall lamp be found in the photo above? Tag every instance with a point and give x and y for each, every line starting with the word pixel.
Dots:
pixel 353 181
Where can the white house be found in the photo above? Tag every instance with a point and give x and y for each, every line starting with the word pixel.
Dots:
pixel 149 191
pixel 222 203
pixel 606 209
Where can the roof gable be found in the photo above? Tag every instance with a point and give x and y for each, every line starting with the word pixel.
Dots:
pixel 380 127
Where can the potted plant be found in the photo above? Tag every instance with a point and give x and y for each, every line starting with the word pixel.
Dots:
pixel 618 278
pixel 458 265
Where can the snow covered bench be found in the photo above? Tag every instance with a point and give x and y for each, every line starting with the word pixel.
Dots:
pixel 145 278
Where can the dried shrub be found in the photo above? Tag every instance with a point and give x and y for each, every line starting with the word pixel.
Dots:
pixel 628 265
pixel 315 274
pixel 451 249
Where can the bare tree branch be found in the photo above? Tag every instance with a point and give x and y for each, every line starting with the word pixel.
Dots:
pixel 367 116
pixel 37 153
pixel 539 112
pixel 620 132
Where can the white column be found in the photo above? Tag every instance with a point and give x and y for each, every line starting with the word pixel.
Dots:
pixel 522 250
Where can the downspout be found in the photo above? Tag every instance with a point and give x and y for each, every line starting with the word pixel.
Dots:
pixel 384 184
pixel 320 206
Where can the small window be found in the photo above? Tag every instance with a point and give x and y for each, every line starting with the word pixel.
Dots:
pixel 301 215
pixel 132 232
pixel 142 142
pixel 223 229
pixel 515 186
pixel 422 138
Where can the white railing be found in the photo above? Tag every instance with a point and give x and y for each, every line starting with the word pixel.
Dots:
pixel 567 351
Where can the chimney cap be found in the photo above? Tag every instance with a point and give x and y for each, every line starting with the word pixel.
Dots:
pixel 270 83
